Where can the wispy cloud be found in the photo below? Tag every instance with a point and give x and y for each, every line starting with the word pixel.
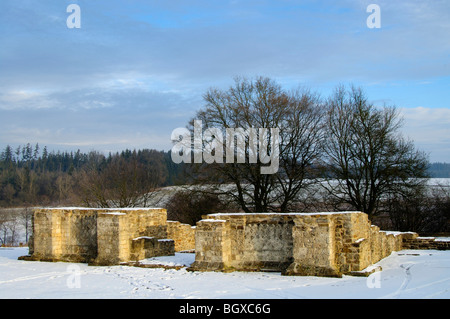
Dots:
pixel 430 130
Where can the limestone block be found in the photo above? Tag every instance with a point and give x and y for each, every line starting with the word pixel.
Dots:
pixel 95 235
pixel 314 252
pixel 182 234
pixel 212 245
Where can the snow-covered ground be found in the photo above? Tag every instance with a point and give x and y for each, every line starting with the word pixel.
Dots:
pixel 405 274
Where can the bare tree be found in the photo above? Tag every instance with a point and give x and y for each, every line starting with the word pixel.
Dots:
pixel 188 205
pixel 302 137
pixel 8 227
pixel 366 157
pixel 25 215
pixel 424 210
pixel 8 194
pixel 64 187
pixel 123 182
pixel 254 105
pixel 4 218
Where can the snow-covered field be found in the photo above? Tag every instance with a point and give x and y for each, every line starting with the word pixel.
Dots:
pixel 405 274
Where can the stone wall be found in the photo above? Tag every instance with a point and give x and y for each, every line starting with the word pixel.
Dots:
pixel 182 234
pixel 98 236
pixel 147 247
pixel 318 240
pixel 212 245
pixel 244 242
pixel 68 235
pixel 413 241
pixel 318 244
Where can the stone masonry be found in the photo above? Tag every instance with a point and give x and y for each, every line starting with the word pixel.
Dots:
pixel 311 244
pixel 99 236
pixel 182 234
pixel 413 241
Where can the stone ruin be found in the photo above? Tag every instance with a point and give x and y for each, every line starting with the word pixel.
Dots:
pixel 101 236
pixel 307 244
pixel 310 244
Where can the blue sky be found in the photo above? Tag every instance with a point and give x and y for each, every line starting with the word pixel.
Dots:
pixel 136 70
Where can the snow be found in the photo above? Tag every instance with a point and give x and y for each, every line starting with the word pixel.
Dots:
pixel 395 233
pixel 213 221
pixel 107 209
pixel 180 259
pixel 284 214
pixel 142 237
pixel 406 274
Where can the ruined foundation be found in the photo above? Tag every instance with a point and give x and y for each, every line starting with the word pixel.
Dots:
pixel 313 244
pixel 99 236
pixel 307 244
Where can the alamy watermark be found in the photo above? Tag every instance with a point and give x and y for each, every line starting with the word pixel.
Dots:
pixel 74 278
pixel 209 146
pixel 374 19
pixel 74 19
pixel 374 280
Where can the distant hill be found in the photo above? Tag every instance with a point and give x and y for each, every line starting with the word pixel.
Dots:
pixel 439 170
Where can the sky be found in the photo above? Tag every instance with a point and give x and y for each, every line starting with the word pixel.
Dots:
pixel 136 70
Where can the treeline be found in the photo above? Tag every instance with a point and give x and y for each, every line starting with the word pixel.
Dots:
pixel 439 170
pixel 31 176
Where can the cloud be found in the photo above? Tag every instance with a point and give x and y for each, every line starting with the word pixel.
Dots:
pixel 429 128
pixel 137 70
pixel 100 129
pixel 118 114
pixel 24 99
pixel 315 40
